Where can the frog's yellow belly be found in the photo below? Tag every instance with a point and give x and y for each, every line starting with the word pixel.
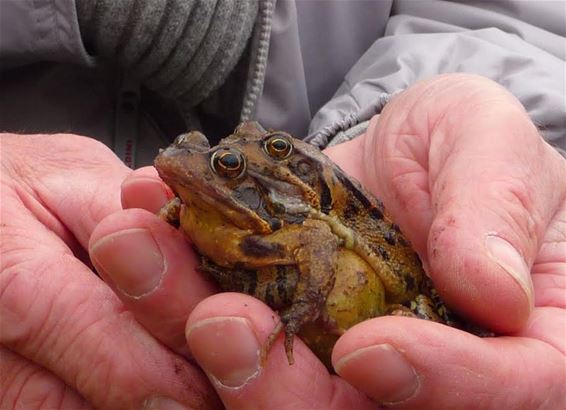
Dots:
pixel 221 241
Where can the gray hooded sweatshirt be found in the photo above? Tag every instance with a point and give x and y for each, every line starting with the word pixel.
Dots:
pixel 134 74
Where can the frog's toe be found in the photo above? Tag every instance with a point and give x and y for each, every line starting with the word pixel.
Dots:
pixel 400 310
pixel 269 343
pixel 289 338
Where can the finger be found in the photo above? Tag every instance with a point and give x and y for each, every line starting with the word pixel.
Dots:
pixel 467 169
pixel 160 285
pixel 342 155
pixel 27 386
pixel 144 189
pixel 417 364
pixel 225 333
pixel 57 314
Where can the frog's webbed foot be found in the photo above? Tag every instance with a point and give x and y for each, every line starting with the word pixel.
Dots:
pixel 433 309
pixel 421 307
pixel 292 319
pixel 170 212
pixel 400 310
pixel 446 316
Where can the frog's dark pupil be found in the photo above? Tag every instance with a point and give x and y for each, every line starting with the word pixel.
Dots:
pixel 229 161
pixel 279 144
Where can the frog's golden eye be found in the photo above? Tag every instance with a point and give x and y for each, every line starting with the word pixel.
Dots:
pixel 228 163
pixel 278 146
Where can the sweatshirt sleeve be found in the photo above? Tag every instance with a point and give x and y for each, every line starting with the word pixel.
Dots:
pixel 520 45
pixel 40 30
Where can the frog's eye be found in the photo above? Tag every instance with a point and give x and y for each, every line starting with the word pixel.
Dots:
pixel 278 145
pixel 228 163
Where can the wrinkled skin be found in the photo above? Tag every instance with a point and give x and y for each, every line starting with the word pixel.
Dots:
pixel 420 166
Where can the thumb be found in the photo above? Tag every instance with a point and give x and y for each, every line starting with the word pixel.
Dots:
pixel 491 205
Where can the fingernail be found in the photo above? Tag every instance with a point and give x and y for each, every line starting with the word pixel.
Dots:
pixel 131 259
pixel 162 403
pixel 506 256
pixel 226 348
pixel 381 372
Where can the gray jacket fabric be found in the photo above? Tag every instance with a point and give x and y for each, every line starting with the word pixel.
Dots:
pixel 369 51
pixel 316 68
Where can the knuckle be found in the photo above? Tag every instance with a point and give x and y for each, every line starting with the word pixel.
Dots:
pixel 109 376
pixel 443 235
pixel 37 306
pixel 27 386
pixel 514 204
pixel 45 319
pixel 471 89
pixel 18 290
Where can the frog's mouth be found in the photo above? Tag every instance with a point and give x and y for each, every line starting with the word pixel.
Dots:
pixel 212 201
pixel 262 204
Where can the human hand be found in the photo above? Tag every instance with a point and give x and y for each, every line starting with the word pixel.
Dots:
pixel 66 339
pixel 466 175
pixel 459 166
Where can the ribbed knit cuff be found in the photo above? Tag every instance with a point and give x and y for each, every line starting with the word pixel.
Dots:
pixel 183 49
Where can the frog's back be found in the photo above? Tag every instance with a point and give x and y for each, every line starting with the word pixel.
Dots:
pixel 359 210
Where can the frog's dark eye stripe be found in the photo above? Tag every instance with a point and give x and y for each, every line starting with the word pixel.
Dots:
pixel 278 145
pixel 228 163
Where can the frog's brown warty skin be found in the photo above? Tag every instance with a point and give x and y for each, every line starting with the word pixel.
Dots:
pixel 273 217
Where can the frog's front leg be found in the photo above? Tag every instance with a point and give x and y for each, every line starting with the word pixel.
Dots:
pixel 170 212
pixel 315 251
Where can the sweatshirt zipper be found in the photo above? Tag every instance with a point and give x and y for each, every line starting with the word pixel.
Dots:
pixel 260 49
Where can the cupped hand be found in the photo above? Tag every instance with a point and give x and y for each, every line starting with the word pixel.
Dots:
pixel 66 339
pixel 482 197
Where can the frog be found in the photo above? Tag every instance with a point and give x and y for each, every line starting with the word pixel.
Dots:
pixel 273 217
